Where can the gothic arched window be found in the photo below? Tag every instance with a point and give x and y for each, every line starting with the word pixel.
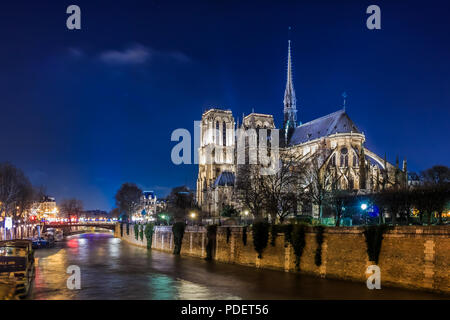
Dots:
pixel 344 157
pixel 355 157
pixel 355 160
pixel 333 160
pixel 217 132
pixel 224 134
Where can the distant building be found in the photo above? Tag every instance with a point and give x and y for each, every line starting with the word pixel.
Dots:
pixel 149 201
pixel 94 214
pixel 48 205
pixel 161 206
pixel 147 208
pixel 413 179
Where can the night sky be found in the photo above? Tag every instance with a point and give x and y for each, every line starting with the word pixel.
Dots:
pixel 84 111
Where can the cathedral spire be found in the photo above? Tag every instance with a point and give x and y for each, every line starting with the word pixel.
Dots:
pixel 290 107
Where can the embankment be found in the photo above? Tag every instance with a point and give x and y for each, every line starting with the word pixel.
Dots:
pixel 414 257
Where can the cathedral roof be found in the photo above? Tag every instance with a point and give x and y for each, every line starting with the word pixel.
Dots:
pixel 149 194
pixel 336 122
pixel 226 178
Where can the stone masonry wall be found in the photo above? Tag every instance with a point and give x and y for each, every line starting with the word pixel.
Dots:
pixel 413 257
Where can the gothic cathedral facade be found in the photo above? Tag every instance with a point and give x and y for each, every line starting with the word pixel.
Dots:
pixel 336 135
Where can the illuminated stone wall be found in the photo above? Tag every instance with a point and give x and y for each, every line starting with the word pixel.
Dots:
pixel 412 256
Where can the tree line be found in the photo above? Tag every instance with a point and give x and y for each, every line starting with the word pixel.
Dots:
pixel 18 196
pixel 299 184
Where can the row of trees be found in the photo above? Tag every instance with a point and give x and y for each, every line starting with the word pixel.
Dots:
pixel 277 194
pixel 299 183
pixel 404 206
pixel 71 207
pixel 16 192
pixel 18 196
pixel 431 197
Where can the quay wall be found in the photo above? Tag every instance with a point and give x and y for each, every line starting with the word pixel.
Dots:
pixel 414 257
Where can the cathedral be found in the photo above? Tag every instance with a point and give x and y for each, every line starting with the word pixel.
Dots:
pixel 346 156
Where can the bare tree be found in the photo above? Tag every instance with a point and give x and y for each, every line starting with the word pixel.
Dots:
pixel 440 196
pixel 16 191
pixel 406 204
pixel 435 191
pixel 392 200
pixel 71 207
pixel 128 199
pixel 283 190
pixel 338 199
pixel 437 175
pixel 249 188
pixel 315 178
pixel 114 213
pixel 180 201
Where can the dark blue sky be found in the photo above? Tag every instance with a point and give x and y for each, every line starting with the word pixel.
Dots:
pixel 84 111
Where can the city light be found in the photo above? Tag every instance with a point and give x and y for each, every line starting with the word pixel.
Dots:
pixel 364 206
pixel 193 215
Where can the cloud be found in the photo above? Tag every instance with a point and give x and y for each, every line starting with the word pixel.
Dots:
pixel 136 54
pixel 139 54
pixel 76 52
pixel 178 56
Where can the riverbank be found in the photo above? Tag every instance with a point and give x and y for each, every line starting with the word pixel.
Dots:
pixel 413 257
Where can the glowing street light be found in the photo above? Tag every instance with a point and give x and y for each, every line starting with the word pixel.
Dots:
pixel 193 215
pixel 364 206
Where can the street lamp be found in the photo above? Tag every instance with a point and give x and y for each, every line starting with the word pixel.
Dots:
pixel 363 208
pixel 193 215
pixel 245 212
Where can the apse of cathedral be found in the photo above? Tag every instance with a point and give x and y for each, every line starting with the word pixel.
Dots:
pixel 335 135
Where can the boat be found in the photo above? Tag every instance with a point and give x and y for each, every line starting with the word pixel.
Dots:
pixel 47 240
pixel 39 243
pixel 57 234
pixel 17 268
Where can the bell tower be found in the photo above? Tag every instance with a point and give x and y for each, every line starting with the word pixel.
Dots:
pixel 216 151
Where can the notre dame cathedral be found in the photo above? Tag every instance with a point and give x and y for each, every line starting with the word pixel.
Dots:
pixel 358 168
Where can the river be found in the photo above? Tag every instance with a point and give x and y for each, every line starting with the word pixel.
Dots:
pixel 113 269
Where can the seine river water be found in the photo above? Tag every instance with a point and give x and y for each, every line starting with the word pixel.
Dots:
pixel 113 269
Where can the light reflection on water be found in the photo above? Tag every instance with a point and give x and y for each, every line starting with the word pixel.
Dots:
pixel 113 269
pixel 190 291
pixel 110 269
